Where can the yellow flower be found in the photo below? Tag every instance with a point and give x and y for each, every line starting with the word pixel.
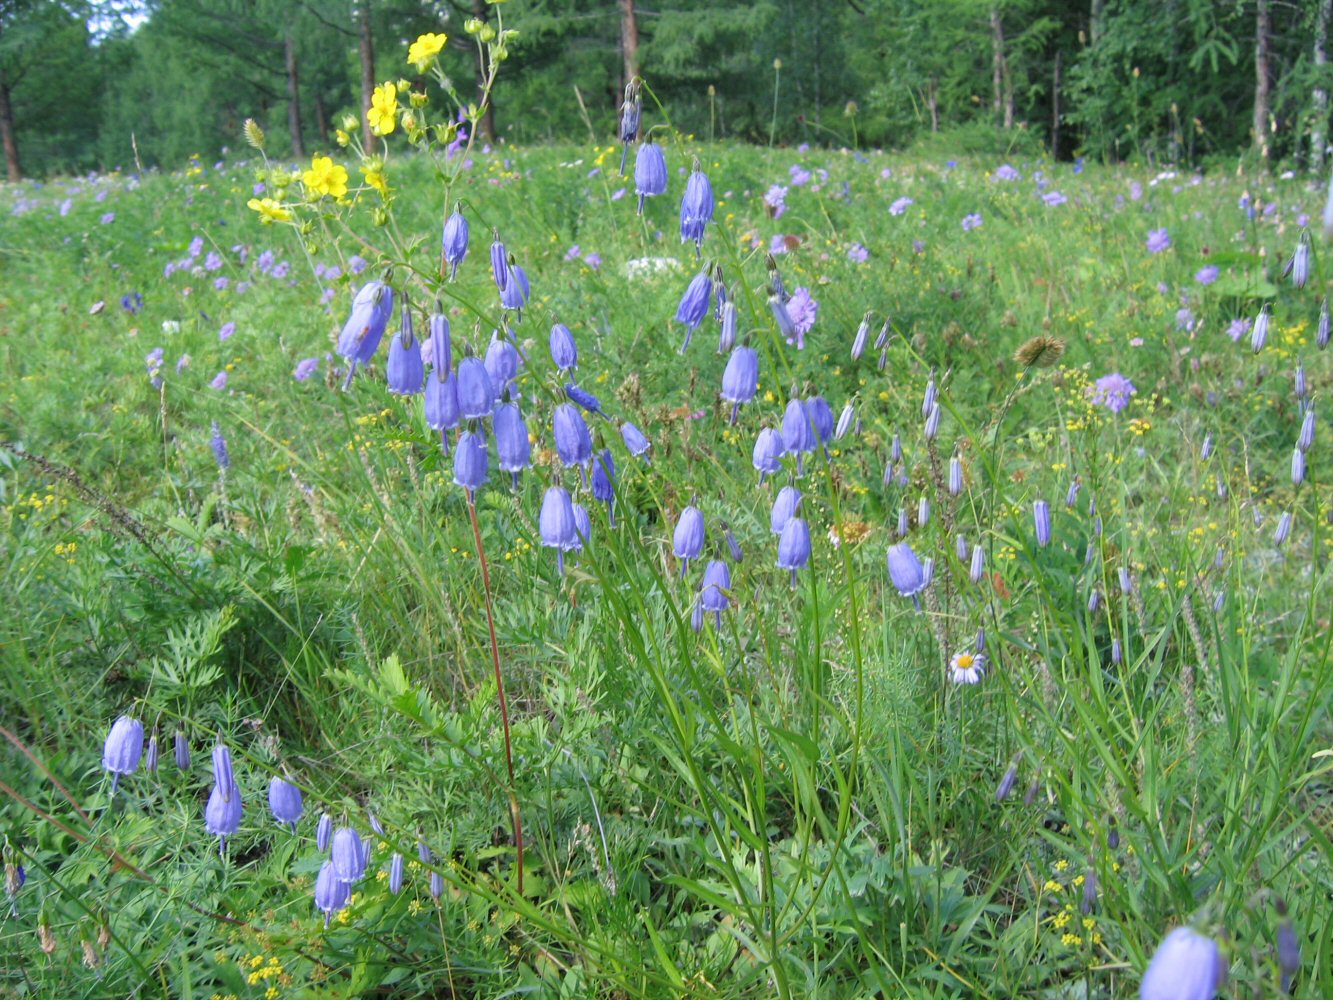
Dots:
pixel 375 178
pixel 325 177
pixel 269 210
pixel 421 52
pixel 383 113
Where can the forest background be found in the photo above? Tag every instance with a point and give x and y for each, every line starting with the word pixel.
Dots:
pixel 91 84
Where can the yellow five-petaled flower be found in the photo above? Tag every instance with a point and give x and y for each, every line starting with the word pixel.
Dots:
pixel 325 177
pixel 375 178
pixel 269 210
pixel 383 113
pixel 424 49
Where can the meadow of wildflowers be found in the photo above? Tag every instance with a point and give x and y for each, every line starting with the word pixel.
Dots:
pixel 455 616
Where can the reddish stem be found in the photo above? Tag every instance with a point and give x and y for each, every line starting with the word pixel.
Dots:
pixel 500 689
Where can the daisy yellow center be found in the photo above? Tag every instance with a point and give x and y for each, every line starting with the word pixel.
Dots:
pixel 964 660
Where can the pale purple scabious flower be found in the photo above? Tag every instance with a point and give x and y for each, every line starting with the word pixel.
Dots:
pixel 1113 392
pixel 109 218
pixel 777 245
pixel 228 328
pixel 305 368
pixel 799 175
pixel 775 201
pixel 1007 173
pixel 574 252
pixel 1184 318
pixel 1054 198
pixel 65 206
pixel 593 260
pixel 1158 240
pixel 1238 328
pixel 1206 275
pixel 1135 190
pixel 971 221
pixel 857 254
pixel 357 264
pixel 219 381
pixel 212 262
pixel 802 310
pixel 219 445
pixel 196 247
pixel 900 205
pixel 222 284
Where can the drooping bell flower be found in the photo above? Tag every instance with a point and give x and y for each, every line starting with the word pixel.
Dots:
pixel 441 404
pixel 150 757
pixel 603 482
pixel 928 400
pixel 331 893
pixel 556 524
pixel 883 337
pixel 1186 966
pixel 650 173
pixel 348 855
pixel 1259 332
pixel 727 319
pixel 794 546
pixel 123 748
pixel 564 352
pixel 404 370
pixel 284 800
pixel 222 815
pixel 902 522
pixel 585 399
pixel 396 873
pixel 821 417
pixel 470 462
pixel 977 569
pixel 786 328
pixel 476 392
pixel 740 379
pixel 631 112
pixel 694 304
pixel 784 508
pixel 775 283
pixel 906 571
pixel 1322 331
pixel 454 240
pixel 323 832
pixel 715 588
pixel 439 345
pixel 1305 440
pixel 733 546
pixel 768 451
pixel 844 422
pixel 501 363
pixel 798 436
pixel 932 427
pixel 635 441
pixel 499 262
pixel 862 335
pixel 516 292
pixel 687 542
pixel 1298 266
pixel 923 512
pixel 181 751
pixel 364 329
pixel 696 208
pixel 1041 519
pixel 511 440
pixel 573 443
pixel 224 776
pixel 582 527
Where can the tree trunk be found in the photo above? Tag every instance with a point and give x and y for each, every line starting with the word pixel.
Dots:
pixel 1262 26
pixel 367 75
pixel 1055 108
pixel 932 102
pixel 1319 129
pixel 293 98
pixel 8 135
pixel 1003 87
pixel 321 118
pixel 629 40
pixel 1095 20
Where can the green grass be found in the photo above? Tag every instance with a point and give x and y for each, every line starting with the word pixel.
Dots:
pixel 795 803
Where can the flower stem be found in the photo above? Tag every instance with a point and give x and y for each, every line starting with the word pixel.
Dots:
pixel 500 690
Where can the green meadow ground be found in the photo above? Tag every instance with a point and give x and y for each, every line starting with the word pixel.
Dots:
pixel 796 801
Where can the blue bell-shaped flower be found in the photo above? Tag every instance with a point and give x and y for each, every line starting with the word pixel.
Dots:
pixel 650 173
pixel 454 240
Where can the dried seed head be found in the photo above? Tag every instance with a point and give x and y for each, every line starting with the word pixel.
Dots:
pixel 1041 351
pixel 254 135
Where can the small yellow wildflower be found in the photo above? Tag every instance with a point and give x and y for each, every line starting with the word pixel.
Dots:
pixel 325 177
pixel 383 113
pixel 269 210
pixel 424 50
pixel 375 178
